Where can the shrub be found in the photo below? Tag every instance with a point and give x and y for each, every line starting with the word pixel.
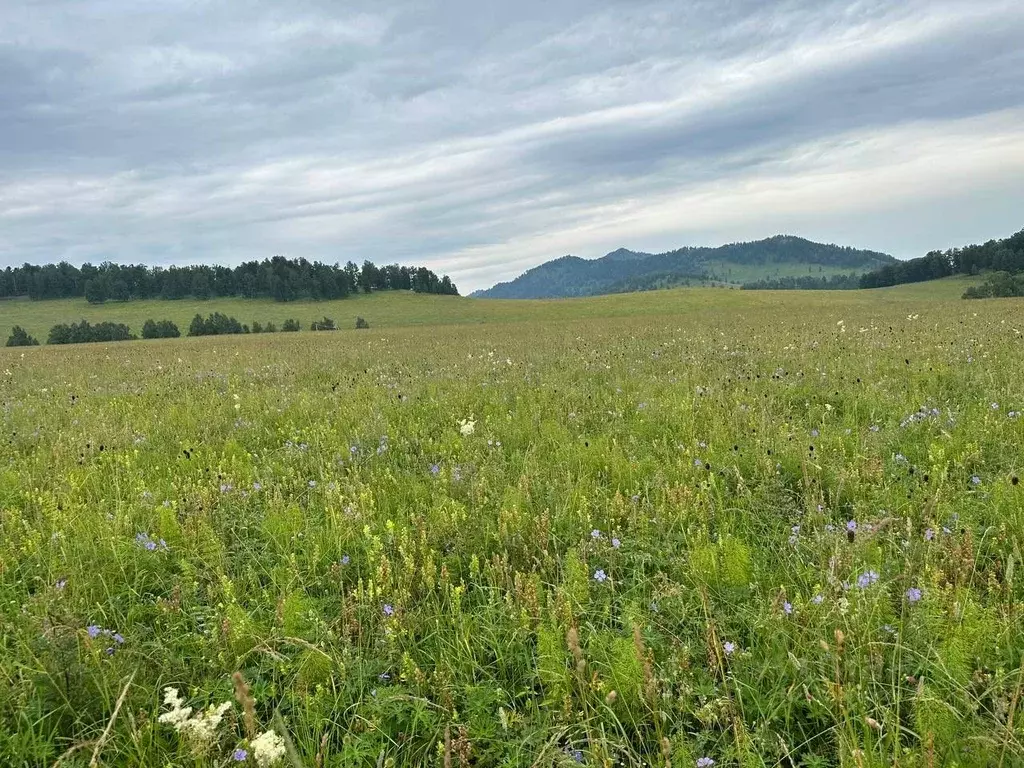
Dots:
pixel 327 324
pixel 270 328
pixel 360 323
pixel 160 329
pixel 215 324
pixel 84 332
pixel 19 338
pixel 291 326
pixel 256 327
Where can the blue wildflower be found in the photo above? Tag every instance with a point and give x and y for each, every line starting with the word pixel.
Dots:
pixel 600 576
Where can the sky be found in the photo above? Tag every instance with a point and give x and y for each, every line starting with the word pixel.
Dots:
pixel 483 137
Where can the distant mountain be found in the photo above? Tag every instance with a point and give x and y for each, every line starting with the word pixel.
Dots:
pixel 777 258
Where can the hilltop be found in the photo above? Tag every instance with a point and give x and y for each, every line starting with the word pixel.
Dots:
pixel 624 270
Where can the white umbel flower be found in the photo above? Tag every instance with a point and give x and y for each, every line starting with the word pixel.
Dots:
pixel 467 427
pixel 198 730
pixel 179 714
pixel 201 729
pixel 267 749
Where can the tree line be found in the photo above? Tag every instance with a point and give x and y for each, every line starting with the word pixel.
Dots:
pixel 214 324
pixel 805 283
pixel 1005 255
pixel 277 278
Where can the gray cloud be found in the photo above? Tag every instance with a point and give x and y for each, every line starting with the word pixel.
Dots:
pixel 483 138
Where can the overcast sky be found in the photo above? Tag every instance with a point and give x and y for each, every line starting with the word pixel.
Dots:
pixel 483 137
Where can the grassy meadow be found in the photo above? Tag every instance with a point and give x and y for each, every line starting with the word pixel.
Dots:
pixel 681 528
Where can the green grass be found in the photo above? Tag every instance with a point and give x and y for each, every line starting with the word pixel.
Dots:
pixel 639 553
pixel 390 310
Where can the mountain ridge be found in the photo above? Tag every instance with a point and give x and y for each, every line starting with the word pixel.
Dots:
pixel 734 263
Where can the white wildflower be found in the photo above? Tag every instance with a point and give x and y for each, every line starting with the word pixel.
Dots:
pixel 200 729
pixel 467 427
pixel 267 749
pixel 179 714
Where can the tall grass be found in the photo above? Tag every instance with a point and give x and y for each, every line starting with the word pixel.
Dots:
pixel 774 530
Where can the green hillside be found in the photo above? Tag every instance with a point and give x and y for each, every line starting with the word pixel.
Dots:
pixel 398 309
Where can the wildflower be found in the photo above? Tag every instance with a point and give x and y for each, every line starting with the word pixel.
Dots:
pixel 118 638
pixel 467 427
pixel 913 594
pixel 239 755
pixel 975 480
pixel 94 630
pixel 874 427
pixel 312 483
pixel 595 534
pixel 787 608
pixel 995 406
pixel 818 599
pixel 865 580
pixel 815 433
pixel 179 714
pixel 577 755
pixel 60 584
pixel 345 559
pixel 705 762
pixel 616 543
pixel 435 469
pixel 929 534
pixel 600 576
pixel 851 525
pixel 267 749
pixel 388 609
pixel 729 647
pixel 256 487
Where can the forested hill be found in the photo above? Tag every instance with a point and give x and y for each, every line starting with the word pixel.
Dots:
pixel 625 270
pixel 1005 255
pixel 278 278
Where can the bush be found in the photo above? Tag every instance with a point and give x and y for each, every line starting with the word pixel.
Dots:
pixel 84 332
pixel 19 338
pixel 160 329
pixel 360 323
pixel 270 328
pixel 291 326
pixel 327 324
pixel 215 324
pixel 256 327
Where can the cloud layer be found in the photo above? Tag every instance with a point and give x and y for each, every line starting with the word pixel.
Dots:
pixel 481 138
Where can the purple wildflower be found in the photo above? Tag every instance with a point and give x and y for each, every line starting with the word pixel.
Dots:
pixel 616 543
pixel 435 469
pixel 851 525
pixel 345 559
pixel 600 576
pixel 729 647
pixel 913 594
pixel 929 534
pixel 975 480
pixel 818 599
pixel 787 608
pixel 388 609
pixel 239 755
pixel 118 638
pixel 705 762
pixel 61 583
pixel 866 579
pixel 94 630
pixel 595 534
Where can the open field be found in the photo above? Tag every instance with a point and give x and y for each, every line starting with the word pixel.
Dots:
pixel 389 310
pixel 760 528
